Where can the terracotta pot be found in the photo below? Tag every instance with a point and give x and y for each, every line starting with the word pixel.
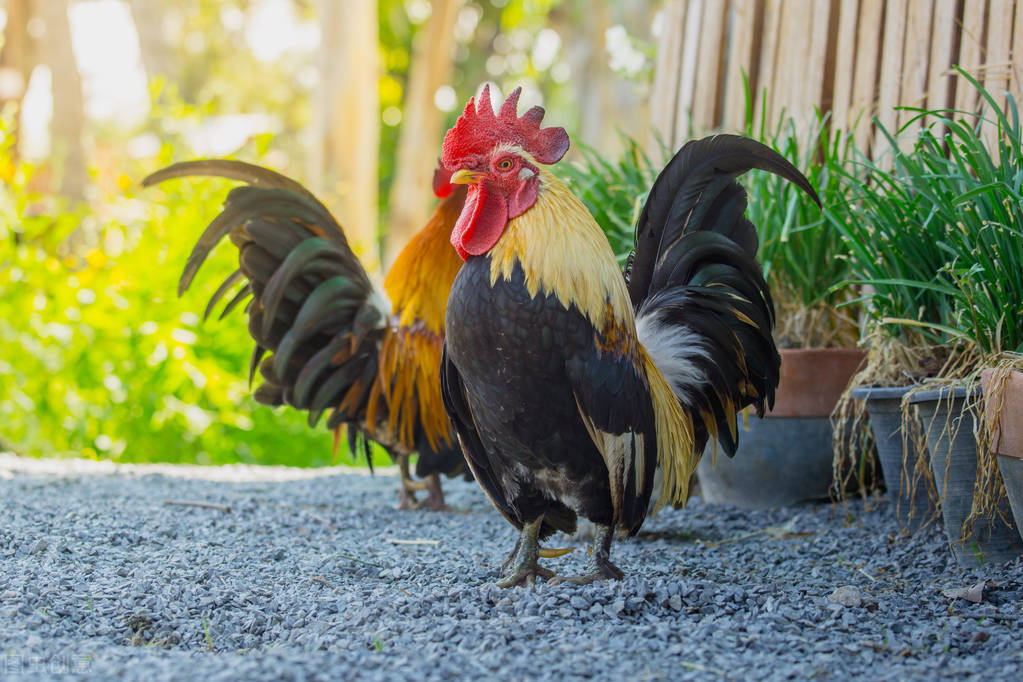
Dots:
pixel 785 458
pixel 812 380
pixel 950 438
pixel 912 490
pixel 1008 439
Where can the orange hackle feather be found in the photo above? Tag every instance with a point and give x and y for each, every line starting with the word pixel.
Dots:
pixel 418 285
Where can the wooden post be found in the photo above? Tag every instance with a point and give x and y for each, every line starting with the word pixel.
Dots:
pixel 743 58
pixel 67 128
pixel 688 73
pixel 864 93
pixel 708 86
pixel 818 91
pixel 664 97
pixel 1017 53
pixel 845 63
pixel 915 61
pixel 14 62
pixel 768 64
pixel 944 53
pixel 998 64
pixel 344 158
pixel 422 131
pixel 971 53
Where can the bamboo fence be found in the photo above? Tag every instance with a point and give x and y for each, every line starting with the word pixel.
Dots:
pixel 855 58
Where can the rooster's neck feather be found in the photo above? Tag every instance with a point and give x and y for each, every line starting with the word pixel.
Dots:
pixel 563 252
pixel 420 279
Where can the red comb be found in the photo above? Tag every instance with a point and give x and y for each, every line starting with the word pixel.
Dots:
pixel 479 129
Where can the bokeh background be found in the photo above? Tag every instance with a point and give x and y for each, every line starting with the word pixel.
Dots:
pixel 98 355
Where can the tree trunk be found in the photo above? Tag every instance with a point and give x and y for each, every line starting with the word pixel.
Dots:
pixel 421 127
pixel 157 55
pixel 15 63
pixel 68 125
pixel 344 156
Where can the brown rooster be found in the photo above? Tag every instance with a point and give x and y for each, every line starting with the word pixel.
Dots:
pixel 569 384
pixel 337 342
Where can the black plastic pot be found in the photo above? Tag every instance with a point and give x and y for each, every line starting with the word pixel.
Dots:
pixel 781 461
pixel 912 491
pixel 950 438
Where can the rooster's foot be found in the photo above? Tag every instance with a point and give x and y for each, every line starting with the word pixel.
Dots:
pixel 434 494
pixel 526 575
pixel 601 568
pixel 407 500
pixel 522 567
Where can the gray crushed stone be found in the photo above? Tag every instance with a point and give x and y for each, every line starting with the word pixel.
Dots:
pixel 320 578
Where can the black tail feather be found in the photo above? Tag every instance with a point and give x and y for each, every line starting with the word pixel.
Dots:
pixel 312 304
pixel 703 308
pixel 693 192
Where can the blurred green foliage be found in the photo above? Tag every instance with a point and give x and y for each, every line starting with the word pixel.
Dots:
pixel 100 358
pixel 614 191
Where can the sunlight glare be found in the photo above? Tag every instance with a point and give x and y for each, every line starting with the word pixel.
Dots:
pixel 107 51
pixel 274 29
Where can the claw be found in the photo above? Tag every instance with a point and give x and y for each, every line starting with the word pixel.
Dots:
pixel 601 567
pixel 526 576
pixel 522 568
pixel 555 552
pixel 406 500
pixel 434 494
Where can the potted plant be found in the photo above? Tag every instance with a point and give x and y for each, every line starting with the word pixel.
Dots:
pixel 896 258
pixel 938 239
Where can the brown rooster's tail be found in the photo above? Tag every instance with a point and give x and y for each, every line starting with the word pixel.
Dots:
pixel 703 310
pixel 312 304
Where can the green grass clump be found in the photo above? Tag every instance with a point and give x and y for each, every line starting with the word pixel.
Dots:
pixel 804 257
pixel 937 232
pixel 614 191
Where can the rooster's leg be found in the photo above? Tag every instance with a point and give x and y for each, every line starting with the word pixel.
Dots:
pixel 434 494
pixel 544 552
pixel 406 496
pixel 601 567
pixel 524 569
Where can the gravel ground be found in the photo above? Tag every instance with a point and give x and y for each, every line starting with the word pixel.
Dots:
pixel 314 575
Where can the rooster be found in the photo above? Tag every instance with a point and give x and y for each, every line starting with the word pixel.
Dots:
pixel 337 342
pixel 570 385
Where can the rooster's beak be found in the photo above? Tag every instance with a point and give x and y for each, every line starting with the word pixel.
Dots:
pixel 465 177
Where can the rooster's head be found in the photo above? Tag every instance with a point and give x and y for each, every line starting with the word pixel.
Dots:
pixel 497 155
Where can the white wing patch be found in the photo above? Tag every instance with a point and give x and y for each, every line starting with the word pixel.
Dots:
pixel 673 350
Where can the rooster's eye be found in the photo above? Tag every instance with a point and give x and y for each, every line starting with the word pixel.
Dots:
pixel 504 164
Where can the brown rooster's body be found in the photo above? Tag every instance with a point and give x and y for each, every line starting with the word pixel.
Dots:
pixel 335 342
pixel 570 383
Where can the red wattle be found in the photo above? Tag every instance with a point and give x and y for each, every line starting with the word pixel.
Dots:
pixel 481 222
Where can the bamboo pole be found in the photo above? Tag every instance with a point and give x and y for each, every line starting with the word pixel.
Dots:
pixel 422 126
pixel 344 160
pixel 845 63
pixel 864 92
pixel 743 59
pixel 664 97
